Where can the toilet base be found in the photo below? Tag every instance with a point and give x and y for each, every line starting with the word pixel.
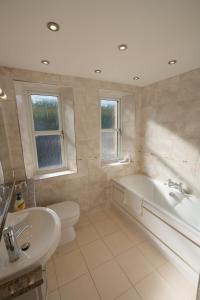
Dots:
pixel 68 234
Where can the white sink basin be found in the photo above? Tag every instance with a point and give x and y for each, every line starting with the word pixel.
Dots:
pixel 43 234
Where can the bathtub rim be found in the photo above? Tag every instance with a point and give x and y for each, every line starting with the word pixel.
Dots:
pixel 182 227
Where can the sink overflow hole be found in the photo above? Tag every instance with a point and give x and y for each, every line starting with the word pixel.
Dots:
pixel 25 246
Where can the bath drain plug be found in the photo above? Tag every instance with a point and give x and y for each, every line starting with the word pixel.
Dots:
pixel 25 246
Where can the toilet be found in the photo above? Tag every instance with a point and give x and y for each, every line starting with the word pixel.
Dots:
pixel 69 213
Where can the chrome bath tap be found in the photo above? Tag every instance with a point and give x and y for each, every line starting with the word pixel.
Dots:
pixel 175 185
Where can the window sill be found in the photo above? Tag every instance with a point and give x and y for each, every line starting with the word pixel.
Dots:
pixel 54 174
pixel 105 164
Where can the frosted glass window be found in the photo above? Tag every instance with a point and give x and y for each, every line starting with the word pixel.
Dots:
pixel 110 129
pixel 49 151
pixel 47 131
pixel 109 145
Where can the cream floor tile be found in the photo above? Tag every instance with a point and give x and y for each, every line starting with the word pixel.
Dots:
pixel 51 277
pixel 111 213
pixel 54 296
pixel 152 254
pixel 122 220
pixel 86 234
pixel 106 227
pixel 119 221
pixel 95 253
pixel 69 267
pixel 83 220
pixel 110 280
pixel 134 234
pixel 118 242
pixel 134 265
pixel 97 215
pixel 181 286
pixel 154 287
pixel 80 289
pixel 66 248
pixel 129 295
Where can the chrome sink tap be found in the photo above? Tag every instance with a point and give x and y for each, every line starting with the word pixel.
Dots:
pixel 175 185
pixel 10 235
pixel 11 243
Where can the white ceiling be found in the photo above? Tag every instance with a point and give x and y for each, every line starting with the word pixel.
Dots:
pixel 154 30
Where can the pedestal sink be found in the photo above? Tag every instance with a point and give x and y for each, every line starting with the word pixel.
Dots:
pixel 42 231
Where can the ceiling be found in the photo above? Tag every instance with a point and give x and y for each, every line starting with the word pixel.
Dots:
pixel 90 31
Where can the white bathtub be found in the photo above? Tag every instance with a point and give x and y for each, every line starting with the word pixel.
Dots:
pixel 174 220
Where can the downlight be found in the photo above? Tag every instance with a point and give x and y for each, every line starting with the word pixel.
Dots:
pixel 53 26
pixel 3 95
pixel 172 62
pixel 45 62
pixel 123 47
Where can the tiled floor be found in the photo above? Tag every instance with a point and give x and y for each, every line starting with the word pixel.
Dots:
pixel 112 260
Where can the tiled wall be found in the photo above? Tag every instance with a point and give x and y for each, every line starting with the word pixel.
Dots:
pixel 170 129
pixel 162 129
pixel 10 123
pixel 90 186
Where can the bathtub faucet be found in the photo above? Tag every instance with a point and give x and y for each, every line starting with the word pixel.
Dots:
pixel 175 185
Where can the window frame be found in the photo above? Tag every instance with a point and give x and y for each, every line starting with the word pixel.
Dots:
pixel 117 129
pixel 59 132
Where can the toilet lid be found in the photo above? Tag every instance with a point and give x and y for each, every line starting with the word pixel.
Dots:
pixel 66 209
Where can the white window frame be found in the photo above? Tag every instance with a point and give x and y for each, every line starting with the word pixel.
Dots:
pixel 117 129
pixel 34 133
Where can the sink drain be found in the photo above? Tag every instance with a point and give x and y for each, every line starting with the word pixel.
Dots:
pixel 25 246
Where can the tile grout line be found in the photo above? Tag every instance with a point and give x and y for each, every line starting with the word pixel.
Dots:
pixel 91 276
pixel 60 286
pixel 155 269
pixel 114 258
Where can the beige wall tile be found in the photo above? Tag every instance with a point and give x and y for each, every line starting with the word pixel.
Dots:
pixel 169 123
pixel 91 189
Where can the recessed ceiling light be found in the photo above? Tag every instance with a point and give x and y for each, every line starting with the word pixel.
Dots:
pixel 172 62
pixel 98 71
pixel 53 26
pixel 45 62
pixel 122 47
pixel 136 78
pixel 3 95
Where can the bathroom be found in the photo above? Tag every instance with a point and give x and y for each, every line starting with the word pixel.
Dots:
pixel 99 150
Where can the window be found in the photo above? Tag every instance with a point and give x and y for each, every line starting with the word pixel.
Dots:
pixel 46 120
pixel 110 129
pixel 47 131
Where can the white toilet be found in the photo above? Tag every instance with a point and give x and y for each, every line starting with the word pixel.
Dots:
pixel 69 213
